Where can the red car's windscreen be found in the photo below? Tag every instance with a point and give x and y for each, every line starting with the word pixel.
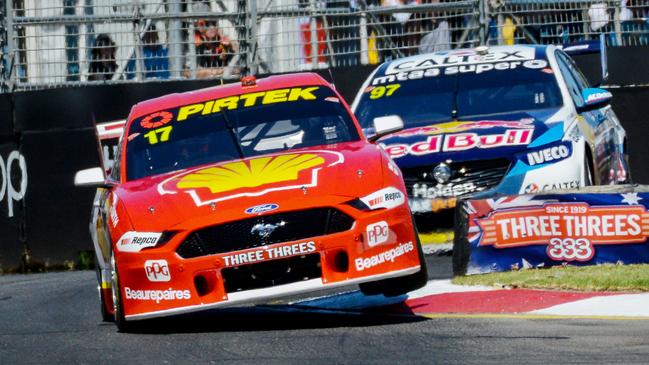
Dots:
pixel 236 127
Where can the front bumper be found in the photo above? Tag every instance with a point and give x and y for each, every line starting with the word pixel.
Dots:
pixel 157 282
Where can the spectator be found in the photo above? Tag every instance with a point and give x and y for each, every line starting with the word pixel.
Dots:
pixel 213 49
pixel 156 62
pixel 102 64
pixel 439 39
pixel 598 14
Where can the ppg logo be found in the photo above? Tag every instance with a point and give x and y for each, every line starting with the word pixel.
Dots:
pixel 377 233
pixel 157 270
pixel 12 188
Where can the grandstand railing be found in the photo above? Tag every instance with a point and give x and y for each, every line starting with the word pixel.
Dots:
pixel 53 43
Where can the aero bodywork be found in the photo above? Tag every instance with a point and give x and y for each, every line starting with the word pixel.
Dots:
pixel 503 120
pixel 244 230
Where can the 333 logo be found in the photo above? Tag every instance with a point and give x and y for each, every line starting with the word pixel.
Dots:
pixel 569 249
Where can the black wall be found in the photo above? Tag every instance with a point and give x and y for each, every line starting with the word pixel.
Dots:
pixel 52 129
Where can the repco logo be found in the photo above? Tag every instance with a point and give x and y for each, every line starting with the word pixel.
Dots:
pixel 377 233
pixel 157 270
pixel 13 180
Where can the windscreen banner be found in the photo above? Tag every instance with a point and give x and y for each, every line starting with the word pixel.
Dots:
pixel 576 228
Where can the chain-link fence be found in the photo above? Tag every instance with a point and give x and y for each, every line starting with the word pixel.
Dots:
pixel 624 22
pixel 71 42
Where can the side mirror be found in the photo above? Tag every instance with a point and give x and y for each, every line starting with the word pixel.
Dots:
pixel 386 125
pixel 92 177
pixel 595 98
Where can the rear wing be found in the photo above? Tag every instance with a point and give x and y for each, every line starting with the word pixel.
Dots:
pixel 108 135
pixel 590 47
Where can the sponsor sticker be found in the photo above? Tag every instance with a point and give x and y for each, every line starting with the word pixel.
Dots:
pixel 114 218
pixel 156 119
pixel 157 270
pixel 597 96
pixel 442 191
pixel 258 209
pixel 549 154
pixel 251 177
pixel 247 100
pixel 571 230
pixel 419 205
pixel 269 253
pixel 377 233
pixel 383 257
pixel 157 295
pixel 535 188
pixel 135 241
pixel 461 142
pixel 461 57
pixel 389 197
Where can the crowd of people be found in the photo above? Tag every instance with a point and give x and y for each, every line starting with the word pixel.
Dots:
pixel 209 51
pixel 212 51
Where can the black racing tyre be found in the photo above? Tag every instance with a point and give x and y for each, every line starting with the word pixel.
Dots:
pixel 461 247
pixel 401 285
pixel 588 171
pixel 106 316
pixel 122 324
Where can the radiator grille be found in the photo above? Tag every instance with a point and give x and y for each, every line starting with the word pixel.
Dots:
pixel 264 230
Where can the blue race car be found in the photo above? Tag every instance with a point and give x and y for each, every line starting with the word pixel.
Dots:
pixel 507 119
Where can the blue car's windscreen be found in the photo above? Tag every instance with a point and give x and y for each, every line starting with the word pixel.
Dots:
pixel 236 127
pixel 433 99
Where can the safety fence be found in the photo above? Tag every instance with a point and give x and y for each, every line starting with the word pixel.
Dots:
pixel 50 43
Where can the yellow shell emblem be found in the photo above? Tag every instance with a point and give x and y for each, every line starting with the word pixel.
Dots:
pixel 251 174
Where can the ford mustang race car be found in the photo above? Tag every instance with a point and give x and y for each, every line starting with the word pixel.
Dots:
pixel 241 193
pixel 507 119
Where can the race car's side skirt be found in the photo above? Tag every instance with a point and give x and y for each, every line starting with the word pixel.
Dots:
pixel 261 295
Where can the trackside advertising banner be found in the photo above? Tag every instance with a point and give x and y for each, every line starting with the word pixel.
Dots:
pixel 526 231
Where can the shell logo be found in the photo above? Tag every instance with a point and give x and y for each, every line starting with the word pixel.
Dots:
pixel 251 177
pixel 250 174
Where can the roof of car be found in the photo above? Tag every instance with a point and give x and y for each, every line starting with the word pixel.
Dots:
pixel 215 92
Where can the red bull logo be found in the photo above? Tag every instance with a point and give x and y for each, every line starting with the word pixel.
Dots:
pixel 460 142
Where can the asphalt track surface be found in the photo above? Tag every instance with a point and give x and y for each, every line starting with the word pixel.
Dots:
pixel 54 318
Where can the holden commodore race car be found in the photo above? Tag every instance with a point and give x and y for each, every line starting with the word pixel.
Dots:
pixel 241 193
pixel 507 119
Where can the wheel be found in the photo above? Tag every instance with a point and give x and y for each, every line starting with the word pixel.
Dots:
pixel 120 320
pixel 104 304
pixel 587 171
pixel 398 286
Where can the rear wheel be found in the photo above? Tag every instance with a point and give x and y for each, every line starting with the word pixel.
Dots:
pixel 397 286
pixel 120 320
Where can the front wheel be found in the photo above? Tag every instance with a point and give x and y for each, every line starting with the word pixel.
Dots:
pixel 120 320
pixel 104 300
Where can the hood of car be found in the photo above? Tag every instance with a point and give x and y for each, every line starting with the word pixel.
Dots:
pixel 239 189
pixel 498 136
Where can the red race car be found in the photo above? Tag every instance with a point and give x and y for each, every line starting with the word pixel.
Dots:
pixel 241 193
